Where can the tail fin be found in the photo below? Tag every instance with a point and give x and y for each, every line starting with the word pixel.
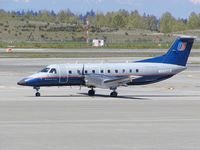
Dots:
pixel 178 53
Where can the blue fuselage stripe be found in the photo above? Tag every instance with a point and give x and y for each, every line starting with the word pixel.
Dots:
pixel 75 80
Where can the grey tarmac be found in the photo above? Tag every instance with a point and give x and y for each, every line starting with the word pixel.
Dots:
pixel 162 116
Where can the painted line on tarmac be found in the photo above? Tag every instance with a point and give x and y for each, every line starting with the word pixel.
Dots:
pixel 189 120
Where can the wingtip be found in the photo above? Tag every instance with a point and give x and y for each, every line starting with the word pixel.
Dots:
pixel 186 36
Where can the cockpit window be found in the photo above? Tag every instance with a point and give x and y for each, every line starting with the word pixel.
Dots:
pixel 45 70
pixel 53 70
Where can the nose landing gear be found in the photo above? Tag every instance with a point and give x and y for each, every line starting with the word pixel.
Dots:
pixel 37 94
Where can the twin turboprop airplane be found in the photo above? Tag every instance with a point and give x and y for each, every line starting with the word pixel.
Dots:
pixel 113 75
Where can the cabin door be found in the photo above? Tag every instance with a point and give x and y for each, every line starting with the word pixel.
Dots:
pixel 63 74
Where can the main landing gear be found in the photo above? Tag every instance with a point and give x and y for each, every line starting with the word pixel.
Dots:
pixel 91 92
pixel 113 93
pixel 37 94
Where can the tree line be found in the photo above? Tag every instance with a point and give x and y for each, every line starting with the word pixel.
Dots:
pixel 121 19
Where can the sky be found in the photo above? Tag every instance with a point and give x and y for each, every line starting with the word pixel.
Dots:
pixel 178 8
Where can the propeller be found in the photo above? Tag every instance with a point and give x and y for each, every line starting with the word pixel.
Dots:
pixel 82 73
pixel 83 69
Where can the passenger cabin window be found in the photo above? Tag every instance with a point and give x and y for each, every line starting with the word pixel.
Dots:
pixel 53 70
pixel 93 71
pixel 70 72
pixel 123 71
pixel 45 70
pixel 116 71
pixel 101 71
pixel 108 71
pixel 86 72
pixel 137 70
pixel 130 70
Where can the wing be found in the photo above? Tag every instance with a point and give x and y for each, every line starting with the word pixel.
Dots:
pixel 105 81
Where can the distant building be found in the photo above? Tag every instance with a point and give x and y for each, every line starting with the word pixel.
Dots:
pixel 98 42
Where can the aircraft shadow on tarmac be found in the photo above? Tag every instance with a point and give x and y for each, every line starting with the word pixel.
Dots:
pixel 133 97
pixel 118 97
pixel 81 95
pixel 142 97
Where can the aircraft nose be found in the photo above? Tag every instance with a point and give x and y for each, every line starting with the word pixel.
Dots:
pixel 22 82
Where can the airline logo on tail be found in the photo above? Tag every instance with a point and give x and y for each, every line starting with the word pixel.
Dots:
pixel 182 46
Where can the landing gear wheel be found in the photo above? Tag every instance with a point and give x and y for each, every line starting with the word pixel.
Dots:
pixel 113 94
pixel 37 94
pixel 91 92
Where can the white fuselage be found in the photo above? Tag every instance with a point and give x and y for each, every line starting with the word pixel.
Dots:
pixel 114 69
pixel 71 74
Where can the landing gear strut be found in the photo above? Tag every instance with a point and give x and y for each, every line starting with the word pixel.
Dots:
pixel 37 94
pixel 91 92
pixel 113 93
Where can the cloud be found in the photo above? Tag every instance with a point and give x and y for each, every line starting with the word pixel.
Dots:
pixel 122 2
pixel 94 1
pixel 125 2
pixel 195 1
pixel 25 1
pixel 99 1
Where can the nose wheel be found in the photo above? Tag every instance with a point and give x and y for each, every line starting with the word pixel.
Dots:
pixel 37 94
